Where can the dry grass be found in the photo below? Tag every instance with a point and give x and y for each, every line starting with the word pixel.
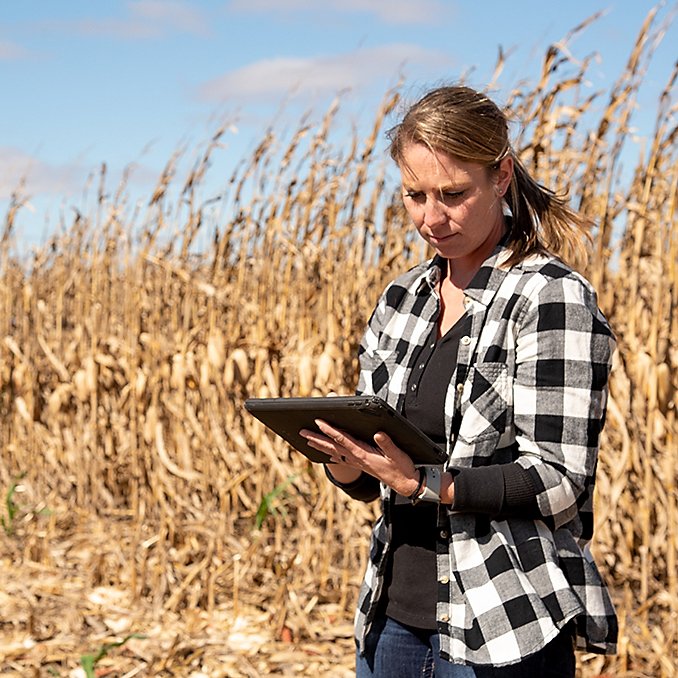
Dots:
pixel 131 479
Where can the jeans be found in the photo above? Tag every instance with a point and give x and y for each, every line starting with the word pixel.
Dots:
pixel 397 651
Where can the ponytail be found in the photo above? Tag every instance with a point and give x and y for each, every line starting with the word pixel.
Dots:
pixel 543 221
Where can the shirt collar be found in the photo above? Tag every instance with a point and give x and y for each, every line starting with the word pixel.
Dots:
pixel 485 282
pixel 490 275
pixel 432 275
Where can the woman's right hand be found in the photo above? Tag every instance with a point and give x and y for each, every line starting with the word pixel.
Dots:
pixel 383 459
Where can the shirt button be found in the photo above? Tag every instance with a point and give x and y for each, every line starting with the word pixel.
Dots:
pixel 467 302
pixel 444 534
pixel 444 580
pixel 444 617
pixel 466 340
pixel 460 387
pixel 433 345
pixel 413 387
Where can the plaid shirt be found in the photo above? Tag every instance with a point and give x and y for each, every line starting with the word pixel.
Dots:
pixel 530 387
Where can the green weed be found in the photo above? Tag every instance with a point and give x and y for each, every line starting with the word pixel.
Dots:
pixel 89 661
pixel 12 506
pixel 266 506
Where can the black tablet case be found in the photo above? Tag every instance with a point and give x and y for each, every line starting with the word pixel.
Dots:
pixel 361 416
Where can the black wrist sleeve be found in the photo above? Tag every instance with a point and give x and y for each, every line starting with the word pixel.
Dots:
pixel 500 491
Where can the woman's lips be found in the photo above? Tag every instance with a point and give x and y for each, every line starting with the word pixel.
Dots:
pixel 437 239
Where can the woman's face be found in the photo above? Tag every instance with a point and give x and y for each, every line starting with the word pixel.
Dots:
pixel 456 206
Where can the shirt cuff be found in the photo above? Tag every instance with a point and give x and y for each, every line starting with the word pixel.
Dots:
pixel 499 490
pixel 479 490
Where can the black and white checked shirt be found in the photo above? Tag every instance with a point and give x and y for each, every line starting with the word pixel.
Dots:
pixel 530 388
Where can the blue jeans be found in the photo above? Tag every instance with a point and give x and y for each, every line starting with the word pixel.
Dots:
pixel 394 650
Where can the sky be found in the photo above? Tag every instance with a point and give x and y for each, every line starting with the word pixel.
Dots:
pixel 129 82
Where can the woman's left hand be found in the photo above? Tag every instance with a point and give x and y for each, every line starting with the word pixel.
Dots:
pixel 384 459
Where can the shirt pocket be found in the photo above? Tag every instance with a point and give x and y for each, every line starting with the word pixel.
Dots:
pixel 486 402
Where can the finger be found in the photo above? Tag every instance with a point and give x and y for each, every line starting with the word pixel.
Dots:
pixel 336 435
pixel 343 439
pixel 322 444
pixel 384 442
pixel 386 446
pixel 319 442
pixel 320 436
pixel 308 434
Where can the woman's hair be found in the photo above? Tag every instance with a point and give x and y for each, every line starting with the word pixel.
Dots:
pixel 468 126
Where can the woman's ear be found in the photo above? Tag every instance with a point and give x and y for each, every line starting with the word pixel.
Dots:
pixel 503 175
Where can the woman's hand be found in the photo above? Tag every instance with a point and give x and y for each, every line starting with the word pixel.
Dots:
pixel 384 460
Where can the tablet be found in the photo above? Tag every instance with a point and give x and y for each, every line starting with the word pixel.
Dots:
pixel 361 416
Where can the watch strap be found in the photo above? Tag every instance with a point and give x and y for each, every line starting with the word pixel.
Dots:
pixel 422 478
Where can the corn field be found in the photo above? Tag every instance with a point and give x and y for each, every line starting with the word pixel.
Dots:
pixel 152 528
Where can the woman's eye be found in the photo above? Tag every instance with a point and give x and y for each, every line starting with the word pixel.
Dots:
pixel 445 197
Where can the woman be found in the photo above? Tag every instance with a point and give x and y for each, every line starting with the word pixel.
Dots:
pixel 497 350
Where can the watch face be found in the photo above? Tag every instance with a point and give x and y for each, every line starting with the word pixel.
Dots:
pixel 431 491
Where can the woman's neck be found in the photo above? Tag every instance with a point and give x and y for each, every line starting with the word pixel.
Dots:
pixel 461 271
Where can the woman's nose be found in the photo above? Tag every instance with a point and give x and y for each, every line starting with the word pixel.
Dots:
pixel 434 213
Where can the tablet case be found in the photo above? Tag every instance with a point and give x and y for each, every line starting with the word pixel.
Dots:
pixel 361 416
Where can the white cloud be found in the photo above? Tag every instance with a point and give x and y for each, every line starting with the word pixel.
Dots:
pixel 9 51
pixel 269 78
pixel 28 175
pixel 142 19
pixel 40 177
pixel 173 14
pixel 391 11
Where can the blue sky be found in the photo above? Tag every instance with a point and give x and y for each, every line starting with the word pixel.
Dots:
pixel 128 82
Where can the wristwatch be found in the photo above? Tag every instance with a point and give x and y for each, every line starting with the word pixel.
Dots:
pixel 431 486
